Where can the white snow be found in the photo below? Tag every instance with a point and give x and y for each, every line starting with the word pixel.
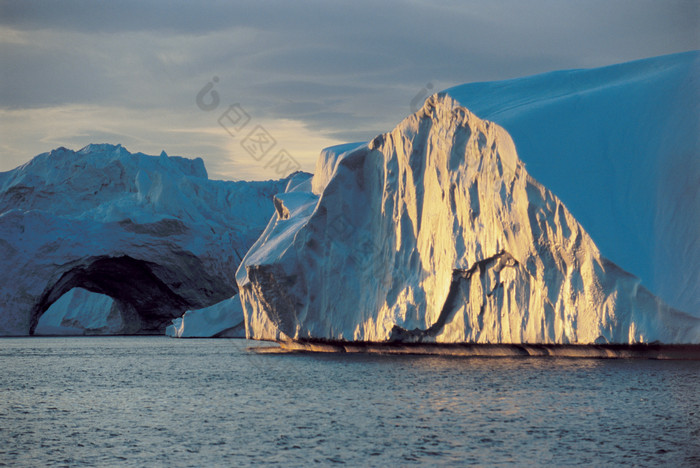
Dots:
pixel 435 232
pixel 152 232
pixel 224 319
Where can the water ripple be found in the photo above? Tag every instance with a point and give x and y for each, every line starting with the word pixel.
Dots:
pixel 146 401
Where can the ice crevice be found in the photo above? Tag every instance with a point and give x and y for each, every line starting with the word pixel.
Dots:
pixel 459 276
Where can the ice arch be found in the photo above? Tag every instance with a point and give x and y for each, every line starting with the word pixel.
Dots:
pixel 151 294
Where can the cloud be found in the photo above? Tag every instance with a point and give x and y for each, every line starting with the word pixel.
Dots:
pixel 335 71
pixel 193 134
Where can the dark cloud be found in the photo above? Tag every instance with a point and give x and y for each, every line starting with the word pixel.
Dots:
pixel 124 16
pixel 347 71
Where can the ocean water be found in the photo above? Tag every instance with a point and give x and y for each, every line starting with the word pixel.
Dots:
pixel 156 401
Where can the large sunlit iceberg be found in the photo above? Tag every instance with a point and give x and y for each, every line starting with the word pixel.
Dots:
pixel 436 232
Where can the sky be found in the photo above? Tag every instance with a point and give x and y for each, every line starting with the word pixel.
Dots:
pixel 277 80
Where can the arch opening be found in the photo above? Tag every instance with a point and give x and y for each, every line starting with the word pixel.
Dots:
pixel 144 293
pixel 81 312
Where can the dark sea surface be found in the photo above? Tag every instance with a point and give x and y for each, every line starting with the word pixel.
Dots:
pixel 157 401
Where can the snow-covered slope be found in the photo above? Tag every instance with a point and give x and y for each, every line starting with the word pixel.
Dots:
pixel 620 146
pixel 154 233
pixel 81 312
pixel 224 319
pixel 435 232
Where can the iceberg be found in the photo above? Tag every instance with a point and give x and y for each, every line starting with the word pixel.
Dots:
pixel 620 147
pixel 436 233
pixel 221 320
pixel 81 312
pixel 153 233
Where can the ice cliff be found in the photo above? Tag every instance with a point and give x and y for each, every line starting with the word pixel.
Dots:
pixel 221 320
pixel 151 232
pixel 620 147
pixel 435 232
